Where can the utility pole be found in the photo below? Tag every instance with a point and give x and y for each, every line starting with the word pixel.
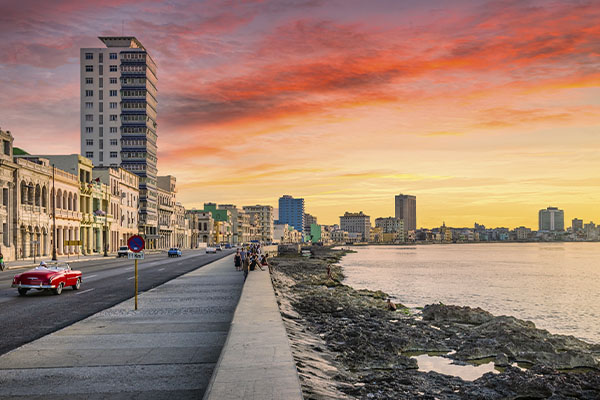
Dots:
pixel 53 217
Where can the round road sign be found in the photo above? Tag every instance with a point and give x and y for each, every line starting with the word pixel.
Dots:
pixel 136 243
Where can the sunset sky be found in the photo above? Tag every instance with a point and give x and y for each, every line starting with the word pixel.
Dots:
pixel 486 111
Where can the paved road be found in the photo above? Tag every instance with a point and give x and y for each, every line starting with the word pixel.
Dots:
pixel 105 283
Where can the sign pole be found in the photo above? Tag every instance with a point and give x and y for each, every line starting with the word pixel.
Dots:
pixel 136 283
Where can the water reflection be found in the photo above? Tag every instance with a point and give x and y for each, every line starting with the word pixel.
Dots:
pixel 444 366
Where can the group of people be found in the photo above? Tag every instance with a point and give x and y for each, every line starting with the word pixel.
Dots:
pixel 250 258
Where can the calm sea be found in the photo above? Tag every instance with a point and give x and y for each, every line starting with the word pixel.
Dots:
pixel 555 285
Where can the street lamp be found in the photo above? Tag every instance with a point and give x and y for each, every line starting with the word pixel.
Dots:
pixel 54 258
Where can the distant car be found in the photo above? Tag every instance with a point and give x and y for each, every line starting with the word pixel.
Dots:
pixel 211 250
pixel 218 247
pixel 123 251
pixel 48 276
pixel 227 246
pixel 174 252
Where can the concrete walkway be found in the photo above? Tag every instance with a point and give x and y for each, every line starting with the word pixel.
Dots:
pixel 165 350
pixel 256 361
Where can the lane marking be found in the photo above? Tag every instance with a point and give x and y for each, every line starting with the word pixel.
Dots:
pixel 162 269
pixel 130 278
pixel 129 269
pixel 91 276
pixel 85 291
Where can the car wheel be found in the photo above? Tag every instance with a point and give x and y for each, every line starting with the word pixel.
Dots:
pixel 22 291
pixel 59 289
pixel 77 285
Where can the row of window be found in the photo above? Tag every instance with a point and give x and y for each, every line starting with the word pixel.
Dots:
pixel 136 106
pixel 133 142
pixel 90 81
pixel 132 68
pixel 90 142
pixel 111 68
pixel 90 56
pixel 90 129
pixel 90 105
pixel 138 93
pixel 90 154
pixel 90 93
pixel 133 56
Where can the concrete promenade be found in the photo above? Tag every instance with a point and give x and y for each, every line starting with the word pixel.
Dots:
pixel 256 362
pixel 165 350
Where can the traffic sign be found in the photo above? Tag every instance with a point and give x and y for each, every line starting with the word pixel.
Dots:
pixel 135 256
pixel 136 243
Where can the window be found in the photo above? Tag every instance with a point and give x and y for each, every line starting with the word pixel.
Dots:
pixel 113 81
pixel 113 68
pixel 113 56
pixel 101 143
pixel 89 154
pixel 113 154
pixel 89 81
pixel 89 68
pixel 101 156
pixel 113 105
pixel 101 57
pixel 113 93
pixel 101 131
pixel 101 82
pixel 89 129
pixel 89 117
pixel 113 117
pixel 113 142
pixel 89 142
pixel 101 107
pixel 100 69
pixel 89 105
pixel 89 93
pixel 89 56
pixel 100 119
pixel 113 129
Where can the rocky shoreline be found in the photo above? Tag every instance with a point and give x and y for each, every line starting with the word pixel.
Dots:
pixel 348 345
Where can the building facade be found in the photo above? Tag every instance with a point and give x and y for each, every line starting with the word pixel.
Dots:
pixel 8 224
pixel 308 221
pixel 551 219
pixel 356 223
pixel 406 210
pixel 119 117
pixel 291 212
pixel 261 217
pixel 166 211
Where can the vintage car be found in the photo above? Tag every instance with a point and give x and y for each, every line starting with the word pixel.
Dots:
pixel 174 252
pixel 48 276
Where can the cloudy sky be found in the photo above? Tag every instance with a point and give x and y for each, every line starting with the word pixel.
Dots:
pixel 486 111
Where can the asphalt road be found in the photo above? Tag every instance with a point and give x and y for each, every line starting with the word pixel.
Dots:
pixel 105 283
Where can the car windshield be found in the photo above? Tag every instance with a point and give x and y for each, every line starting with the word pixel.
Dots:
pixel 123 248
pixel 53 266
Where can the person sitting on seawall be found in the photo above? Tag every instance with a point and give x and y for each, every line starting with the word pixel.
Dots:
pixel 254 263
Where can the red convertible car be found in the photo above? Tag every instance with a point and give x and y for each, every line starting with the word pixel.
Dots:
pixel 52 275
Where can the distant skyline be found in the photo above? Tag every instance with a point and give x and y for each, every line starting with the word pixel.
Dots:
pixel 485 111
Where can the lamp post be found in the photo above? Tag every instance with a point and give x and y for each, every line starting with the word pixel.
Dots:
pixel 54 258
pixel 105 223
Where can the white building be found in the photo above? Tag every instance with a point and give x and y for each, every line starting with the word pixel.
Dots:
pixel 118 117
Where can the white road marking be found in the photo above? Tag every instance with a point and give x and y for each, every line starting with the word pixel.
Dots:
pixel 162 269
pixel 130 278
pixel 129 269
pixel 179 263
pixel 91 276
pixel 85 291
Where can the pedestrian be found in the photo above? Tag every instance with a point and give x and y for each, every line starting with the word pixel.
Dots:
pixel 254 264
pixel 243 254
pixel 237 261
pixel 2 267
pixel 246 266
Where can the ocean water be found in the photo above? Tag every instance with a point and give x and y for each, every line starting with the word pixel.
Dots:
pixel 555 285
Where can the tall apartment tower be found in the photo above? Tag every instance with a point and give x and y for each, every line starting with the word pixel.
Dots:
pixel 118 116
pixel 551 219
pixel 406 210
pixel 291 212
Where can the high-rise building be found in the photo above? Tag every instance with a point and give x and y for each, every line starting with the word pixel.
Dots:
pixel 356 223
pixel 551 219
pixel 308 221
pixel 406 210
pixel 118 116
pixel 577 225
pixel 261 217
pixel 291 212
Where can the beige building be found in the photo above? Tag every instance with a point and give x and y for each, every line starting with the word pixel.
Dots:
pixel 124 194
pixel 7 215
pixel 339 236
pixel 183 236
pixel 239 223
pixel 356 223
pixel 262 218
pixel 32 219
pixel 166 211
pixel 68 215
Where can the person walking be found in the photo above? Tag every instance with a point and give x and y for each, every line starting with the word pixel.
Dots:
pixel 246 266
pixel 2 266
pixel 237 261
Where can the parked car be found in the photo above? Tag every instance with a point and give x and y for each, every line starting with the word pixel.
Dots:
pixel 227 246
pixel 48 276
pixel 123 251
pixel 174 252
pixel 218 247
pixel 211 250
